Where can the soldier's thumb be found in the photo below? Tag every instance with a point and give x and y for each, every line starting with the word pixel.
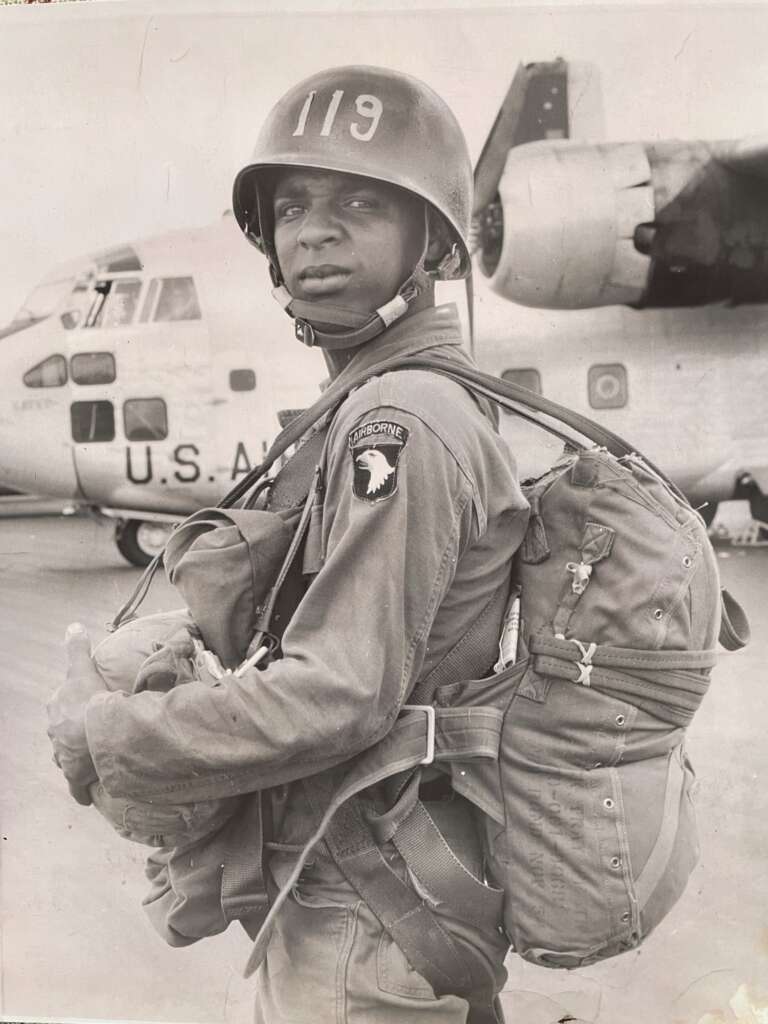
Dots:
pixel 78 646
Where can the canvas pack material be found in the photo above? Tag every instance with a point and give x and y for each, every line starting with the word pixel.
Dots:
pixel 589 818
pixel 224 563
pixel 153 653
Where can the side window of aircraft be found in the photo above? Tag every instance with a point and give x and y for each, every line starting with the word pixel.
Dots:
pixel 92 421
pixel 51 373
pixel 242 380
pixel 177 300
pixel 115 303
pixel 526 377
pixel 92 368
pixel 145 419
pixel 607 386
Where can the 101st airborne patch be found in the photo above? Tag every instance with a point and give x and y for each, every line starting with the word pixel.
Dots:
pixel 375 449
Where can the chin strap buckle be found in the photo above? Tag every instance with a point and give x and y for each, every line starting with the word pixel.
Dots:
pixel 305 333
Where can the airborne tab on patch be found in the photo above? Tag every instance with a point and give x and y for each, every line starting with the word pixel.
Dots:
pixel 375 448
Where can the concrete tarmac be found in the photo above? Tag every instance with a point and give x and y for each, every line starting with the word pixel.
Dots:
pixel 75 942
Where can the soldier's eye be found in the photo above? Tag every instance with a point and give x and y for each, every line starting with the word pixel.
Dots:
pixel 286 209
pixel 361 203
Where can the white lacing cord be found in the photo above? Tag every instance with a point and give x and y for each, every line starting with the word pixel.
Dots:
pixel 585 665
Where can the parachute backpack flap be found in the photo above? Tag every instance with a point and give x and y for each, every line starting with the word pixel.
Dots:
pixel 224 563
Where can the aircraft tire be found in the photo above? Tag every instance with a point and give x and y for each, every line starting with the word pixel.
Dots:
pixel 139 540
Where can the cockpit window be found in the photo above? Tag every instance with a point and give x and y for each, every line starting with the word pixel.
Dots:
pixel 149 301
pixel 177 300
pixel 44 299
pixel 115 304
pixel 51 373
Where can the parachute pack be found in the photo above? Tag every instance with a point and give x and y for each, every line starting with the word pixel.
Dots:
pixel 571 747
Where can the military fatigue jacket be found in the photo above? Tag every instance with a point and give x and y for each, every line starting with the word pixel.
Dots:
pixel 422 514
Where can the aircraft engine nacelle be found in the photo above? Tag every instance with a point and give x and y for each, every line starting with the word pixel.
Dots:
pixel 662 224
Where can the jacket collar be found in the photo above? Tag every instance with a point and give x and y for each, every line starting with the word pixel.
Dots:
pixel 433 329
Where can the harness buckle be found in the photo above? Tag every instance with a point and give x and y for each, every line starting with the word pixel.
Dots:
pixel 429 710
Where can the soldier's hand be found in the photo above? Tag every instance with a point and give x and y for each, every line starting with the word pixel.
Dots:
pixel 66 714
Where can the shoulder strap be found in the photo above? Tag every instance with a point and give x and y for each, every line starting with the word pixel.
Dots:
pixel 546 413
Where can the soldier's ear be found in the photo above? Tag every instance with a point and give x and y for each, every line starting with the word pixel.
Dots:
pixel 439 241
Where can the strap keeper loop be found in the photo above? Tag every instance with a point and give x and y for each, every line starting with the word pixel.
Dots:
pixel 429 710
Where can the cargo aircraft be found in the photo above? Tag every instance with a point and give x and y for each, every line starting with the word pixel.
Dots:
pixel 141 382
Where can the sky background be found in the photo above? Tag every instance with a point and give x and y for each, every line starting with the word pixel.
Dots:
pixel 120 120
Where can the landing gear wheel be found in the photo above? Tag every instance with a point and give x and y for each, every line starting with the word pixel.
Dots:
pixel 139 540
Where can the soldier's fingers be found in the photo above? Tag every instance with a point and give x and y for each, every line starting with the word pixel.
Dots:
pixel 81 793
pixel 77 644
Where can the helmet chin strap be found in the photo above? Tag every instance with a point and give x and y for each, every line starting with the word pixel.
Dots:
pixel 336 327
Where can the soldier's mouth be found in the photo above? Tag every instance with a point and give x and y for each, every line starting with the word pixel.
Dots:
pixel 324 278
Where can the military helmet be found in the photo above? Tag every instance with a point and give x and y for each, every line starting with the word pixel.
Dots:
pixel 370 122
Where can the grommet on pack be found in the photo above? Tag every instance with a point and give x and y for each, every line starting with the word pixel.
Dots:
pixel 687 561
pixel 658 613
pixel 620 720
pixel 615 862
pixel 608 803
pixel 625 916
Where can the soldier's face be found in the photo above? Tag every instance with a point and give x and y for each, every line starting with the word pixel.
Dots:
pixel 344 240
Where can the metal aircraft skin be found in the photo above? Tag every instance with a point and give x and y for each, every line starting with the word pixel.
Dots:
pixel 145 380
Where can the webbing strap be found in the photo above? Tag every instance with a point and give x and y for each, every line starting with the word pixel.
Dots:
pixel 669 685
pixel 427 854
pixel 291 485
pixel 265 616
pixel 243 889
pixel 734 626
pixel 428 947
pixel 656 865
pixel 624 657
pixel 671 697
pixel 540 410
pixel 461 734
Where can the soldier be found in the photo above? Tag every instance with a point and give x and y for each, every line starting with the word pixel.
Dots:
pixel 359 195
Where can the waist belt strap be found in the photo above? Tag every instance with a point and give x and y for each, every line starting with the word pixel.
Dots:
pixel 669 685
pixel 421 844
pixel 460 734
